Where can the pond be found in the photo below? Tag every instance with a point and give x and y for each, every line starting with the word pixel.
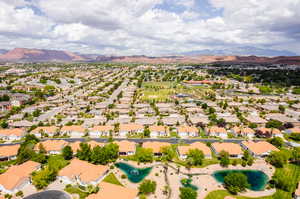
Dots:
pixel 53 194
pixel 256 179
pixel 135 175
pixel 187 182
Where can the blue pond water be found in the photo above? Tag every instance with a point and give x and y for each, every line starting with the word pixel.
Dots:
pixel 135 175
pixel 256 179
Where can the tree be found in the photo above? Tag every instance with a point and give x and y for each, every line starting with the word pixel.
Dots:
pixel 274 124
pixel 168 153
pixel 84 152
pixel 276 141
pixel 224 159
pixel 281 108
pixel 295 155
pixel 67 153
pixel 277 158
pixel 247 157
pixel 236 182
pixel 106 154
pixel 147 187
pixel 195 157
pixel 3 124
pixel 144 155
pixel 187 193
pixel 146 132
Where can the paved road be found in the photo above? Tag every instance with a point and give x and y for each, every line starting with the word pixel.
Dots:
pixel 51 113
pixel 52 194
pixel 115 94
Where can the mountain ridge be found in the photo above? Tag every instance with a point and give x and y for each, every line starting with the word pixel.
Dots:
pixel 44 55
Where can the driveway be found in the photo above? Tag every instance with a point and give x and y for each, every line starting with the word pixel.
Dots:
pixel 52 194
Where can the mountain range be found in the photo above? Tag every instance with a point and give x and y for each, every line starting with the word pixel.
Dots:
pixel 204 56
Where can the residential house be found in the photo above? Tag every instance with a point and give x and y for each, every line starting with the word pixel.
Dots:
pixel 255 119
pixel 187 131
pixel 9 152
pixel 158 131
pixel 82 173
pixel 17 177
pixel 12 134
pixel 156 147
pixel 52 146
pixel 244 132
pixel 74 131
pixel 268 132
pixel 233 149
pixel 98 131
pixel 217 132
pixel 111 191
pixel 126 147
pixel 130 129
pixel 183 150
pixel 47 131
pixel 259 149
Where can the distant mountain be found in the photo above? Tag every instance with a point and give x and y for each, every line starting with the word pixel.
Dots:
pixel 3 51
pixel 39 55
pixel 193 57
pixel 242 51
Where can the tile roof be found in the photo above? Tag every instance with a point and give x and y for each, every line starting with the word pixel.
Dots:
pixel 14 131
pixel 196 145
pixel 48 129
pixel 112 191
pixel 130 127
pixel 73 128
pixel 102 128
pixel 87 172
pixel 126 146
pixel 9 150
pixel 52 145
pixel 259 147
pixel 155 146
pixel 231 148
pixel 17 173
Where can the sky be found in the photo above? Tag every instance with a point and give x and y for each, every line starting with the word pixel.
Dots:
pixel 149 27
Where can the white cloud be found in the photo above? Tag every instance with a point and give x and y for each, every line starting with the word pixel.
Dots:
pixel 138 27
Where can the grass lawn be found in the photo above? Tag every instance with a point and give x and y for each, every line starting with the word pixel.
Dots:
pixel 75 190
pixel 111 178
pixel 292 171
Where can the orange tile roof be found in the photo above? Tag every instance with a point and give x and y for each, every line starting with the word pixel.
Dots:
pixel 247 131
pixel 158 128
pixel 259 147
pixel 102 128
pixel 131 127
pixel 75 146
pixel 216 129
pixel 187 129
pixel 126 146
pixel 52 145
pixel 87 172
pixel 93 143
pixel 112 191
pixel 14 131
pixel 73 128
pixel 196 145
pixel 15 174
pixel 231 148
pixel 155 146
pixel 49 129
pixel 10 150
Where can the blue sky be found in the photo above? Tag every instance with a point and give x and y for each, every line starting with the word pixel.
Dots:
pixel 151 27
